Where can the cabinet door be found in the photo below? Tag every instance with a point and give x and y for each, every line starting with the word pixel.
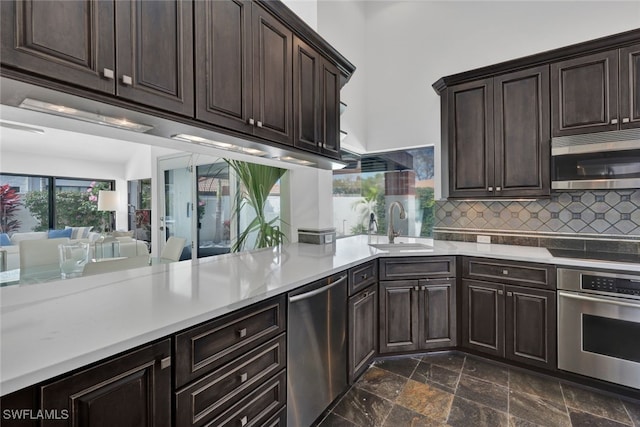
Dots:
pixel 630 87
pixel 398 316
pixel 437 313
pixel 483 317
pixel 363 330
pixel 522 131
pixel 272 77
pixel 131 390
pixel 471 144
pixel 330 109
pixel 71 41
pixel 584 94
pixel 223 63
pixel 155 53
pixel 306 96
pixel 530 328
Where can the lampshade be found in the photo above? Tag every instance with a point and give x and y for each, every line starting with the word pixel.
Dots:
pixel 107 200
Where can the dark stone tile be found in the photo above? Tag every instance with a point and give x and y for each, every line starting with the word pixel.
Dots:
pixel 465 413
pixel 575 244
pixel 403 366
pixel 363 408
pixel 595 403
pixel 484 392
pixel 403 417
pixel 333 420
pixel 544 387
pixel 428 373
pixel 382 383
pixel 633 409
pixel 584 419
pixel 612 246
pixel 486 371
pixel 519 240
pixel 426 400
pixel 451 361
pixel 537 410
pixel 519 422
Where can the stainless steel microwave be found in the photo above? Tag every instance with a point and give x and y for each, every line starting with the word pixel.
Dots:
pixel 602 160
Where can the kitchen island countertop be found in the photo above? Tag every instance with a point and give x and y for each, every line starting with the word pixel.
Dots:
pixel 52 328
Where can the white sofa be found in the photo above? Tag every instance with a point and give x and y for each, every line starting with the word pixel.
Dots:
pixel 129 247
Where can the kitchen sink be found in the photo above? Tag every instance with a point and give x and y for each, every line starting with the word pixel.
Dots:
pixel 401 247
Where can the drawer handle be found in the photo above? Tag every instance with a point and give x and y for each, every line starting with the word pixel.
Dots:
pixel 165 363
pixel 259 124
pixel 505 272
pixel 244 421
pixel 127 80
pixel 625 120
pixel 364 276
pixel 242 332
pixel 500 292
pixel 614 121
pixel 490 188
pixel 243 377
pixel 107 73
pixel 416 288
pixel 252 122
pixel 509 294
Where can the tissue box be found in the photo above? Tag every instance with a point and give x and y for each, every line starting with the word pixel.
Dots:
pixel 317 237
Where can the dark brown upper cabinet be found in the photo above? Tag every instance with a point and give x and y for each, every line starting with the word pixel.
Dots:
pixel 499 139
pixel 78 42
pixel 316 95
pixel 246 54
pixel 597 92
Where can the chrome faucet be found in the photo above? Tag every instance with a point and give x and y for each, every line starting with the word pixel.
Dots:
pixel 391 232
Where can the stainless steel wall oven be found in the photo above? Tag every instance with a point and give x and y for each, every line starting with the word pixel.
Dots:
pixel 599 325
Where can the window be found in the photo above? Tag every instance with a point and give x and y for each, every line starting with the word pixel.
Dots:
pixel 374 181
pixel 39 203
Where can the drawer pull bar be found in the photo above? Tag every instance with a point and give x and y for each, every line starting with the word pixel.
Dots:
pixel 243 377
pixel 242 332
pixel 244 421
pixel 505 272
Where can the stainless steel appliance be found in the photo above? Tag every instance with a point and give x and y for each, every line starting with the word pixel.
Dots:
pixel 598 160
pixel 599 325
pixel 316 348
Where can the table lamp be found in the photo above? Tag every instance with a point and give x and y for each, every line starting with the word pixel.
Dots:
pixel 108 201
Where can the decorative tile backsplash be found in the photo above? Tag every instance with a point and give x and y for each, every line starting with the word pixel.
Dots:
pixel 606 212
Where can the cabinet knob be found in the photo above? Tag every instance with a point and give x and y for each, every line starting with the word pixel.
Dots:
pixel 127 80
pixel 107 73
pixel 320 144
pixel 509 294
pixel 165 363
pixel 498 188
pixel 625 120
pixel 243 377
pixel 490 188
pixel 364 276
pixel 252 122
pixel 416 288
pixel 242 332
pixel 423 287
pixel 244 421
pixel 259 124
pixel 365 295
pixel 505 272
pixel 614 121
pixel 500 292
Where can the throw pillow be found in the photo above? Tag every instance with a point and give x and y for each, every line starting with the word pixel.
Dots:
pixel 4 239
pixel 57 234
pixel 79 232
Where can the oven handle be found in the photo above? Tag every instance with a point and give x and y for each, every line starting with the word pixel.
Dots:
pixel 613 301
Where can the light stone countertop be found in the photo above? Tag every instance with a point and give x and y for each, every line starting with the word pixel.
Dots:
pixel 52 328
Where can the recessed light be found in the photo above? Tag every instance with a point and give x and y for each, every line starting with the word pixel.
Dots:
pixel 85 116
pixel 296 161
pixel 218 144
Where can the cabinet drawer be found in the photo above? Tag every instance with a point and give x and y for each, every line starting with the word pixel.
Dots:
pixel 202 349
pixel 512 272
pixel 417 267
pixel 207 398
pixel 362 276
pixel 258 406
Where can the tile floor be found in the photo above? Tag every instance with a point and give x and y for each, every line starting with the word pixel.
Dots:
pixel 454 389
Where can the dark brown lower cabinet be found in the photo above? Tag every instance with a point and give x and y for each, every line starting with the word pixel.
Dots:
pixel 130 390
pixel 417 315
pixel 363 331
pixel 514 322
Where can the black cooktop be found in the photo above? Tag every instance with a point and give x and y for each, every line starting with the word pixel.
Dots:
pixel 596 256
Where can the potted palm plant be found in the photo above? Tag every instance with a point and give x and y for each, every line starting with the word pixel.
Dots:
pixel 256 182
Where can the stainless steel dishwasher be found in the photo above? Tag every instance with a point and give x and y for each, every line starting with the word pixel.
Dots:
pixel 316 348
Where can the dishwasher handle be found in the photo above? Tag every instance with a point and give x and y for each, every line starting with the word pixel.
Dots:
pixel 314 292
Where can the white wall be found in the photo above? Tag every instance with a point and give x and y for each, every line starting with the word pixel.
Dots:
pixel 305 9
pixel 411 44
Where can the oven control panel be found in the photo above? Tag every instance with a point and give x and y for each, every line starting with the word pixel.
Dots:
pixel 611 284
